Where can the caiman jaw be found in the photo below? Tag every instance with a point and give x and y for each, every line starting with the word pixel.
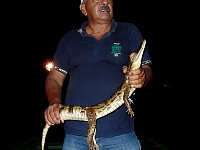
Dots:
pixel 137 57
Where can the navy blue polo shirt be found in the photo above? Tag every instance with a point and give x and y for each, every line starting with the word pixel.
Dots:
pixel 95 69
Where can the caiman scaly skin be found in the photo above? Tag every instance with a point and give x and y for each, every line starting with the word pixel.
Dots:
pixel 92 113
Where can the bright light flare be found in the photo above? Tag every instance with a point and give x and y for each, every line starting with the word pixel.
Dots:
pixel 49 66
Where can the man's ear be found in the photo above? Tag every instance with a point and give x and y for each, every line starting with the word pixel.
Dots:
pixel 83 10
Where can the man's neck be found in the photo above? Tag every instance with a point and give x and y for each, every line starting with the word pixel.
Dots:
pixel 98 30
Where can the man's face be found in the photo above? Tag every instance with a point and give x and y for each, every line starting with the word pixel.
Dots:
pixel 98 10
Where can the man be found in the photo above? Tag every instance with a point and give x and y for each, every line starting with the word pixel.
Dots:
pixel 95 57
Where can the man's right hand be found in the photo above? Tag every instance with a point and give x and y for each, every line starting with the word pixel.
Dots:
pixel 52 114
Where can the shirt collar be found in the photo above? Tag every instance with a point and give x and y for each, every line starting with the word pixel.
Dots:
pixel 83 32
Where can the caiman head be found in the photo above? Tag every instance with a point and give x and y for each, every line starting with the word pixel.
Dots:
pixel 136 57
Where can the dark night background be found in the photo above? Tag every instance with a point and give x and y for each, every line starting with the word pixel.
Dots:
pixel 33 30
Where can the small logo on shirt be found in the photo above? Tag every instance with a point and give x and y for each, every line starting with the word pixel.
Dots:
pixel 116 49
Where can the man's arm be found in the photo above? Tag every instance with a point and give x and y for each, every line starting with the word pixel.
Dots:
pixel 53 88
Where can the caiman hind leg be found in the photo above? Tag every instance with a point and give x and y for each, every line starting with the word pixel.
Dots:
pixel 91 115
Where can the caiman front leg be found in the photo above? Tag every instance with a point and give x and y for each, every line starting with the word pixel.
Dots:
pixel 128 101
